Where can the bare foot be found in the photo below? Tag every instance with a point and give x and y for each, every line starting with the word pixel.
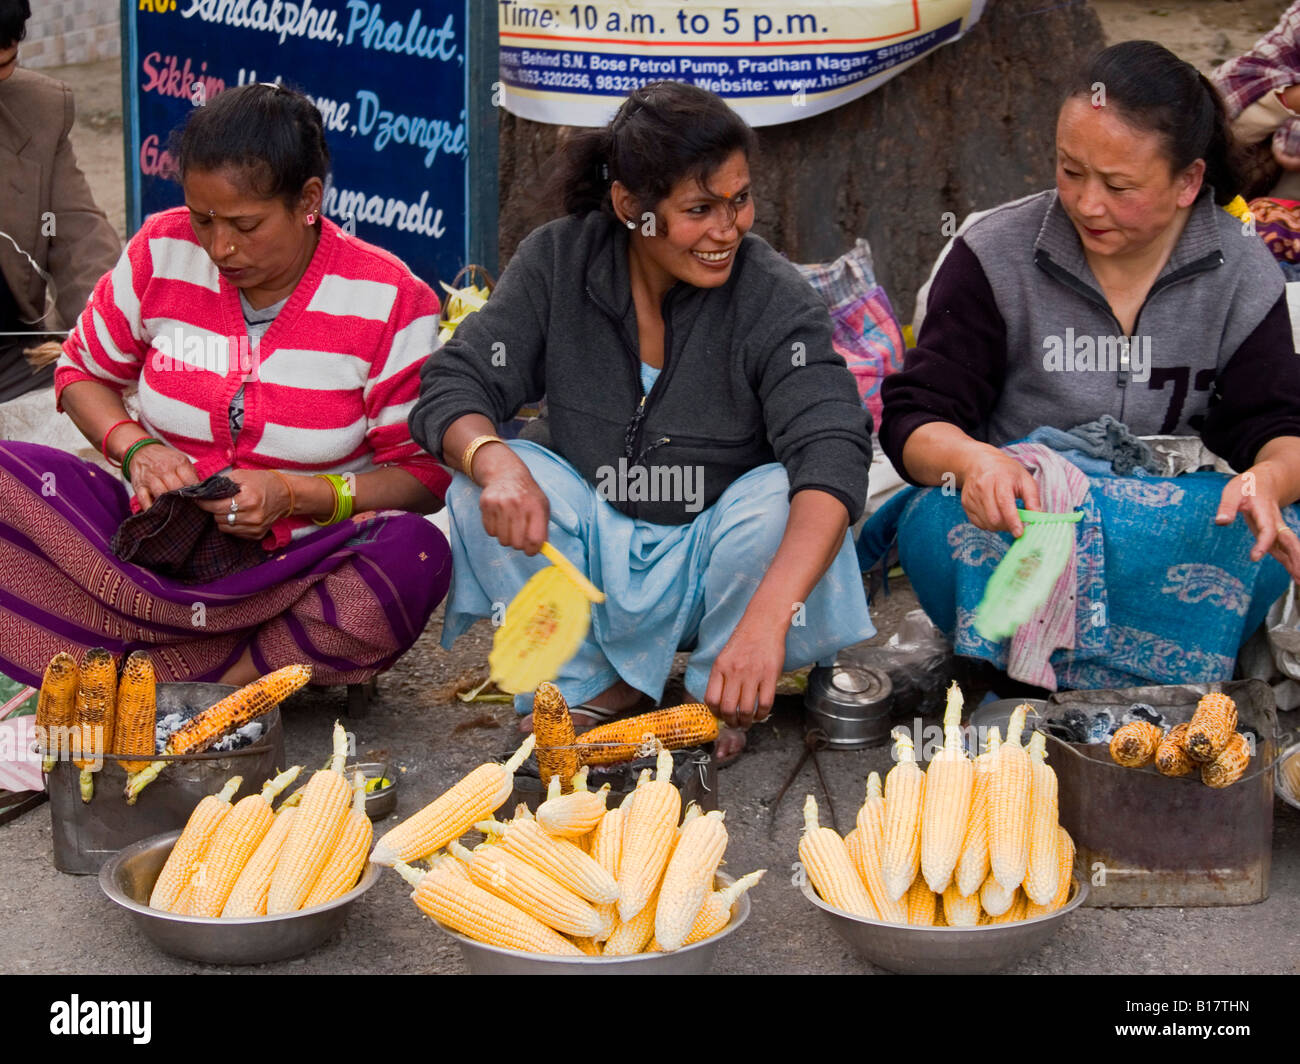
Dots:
pixel 729 745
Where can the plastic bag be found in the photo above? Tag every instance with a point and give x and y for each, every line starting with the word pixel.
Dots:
pixel 918 659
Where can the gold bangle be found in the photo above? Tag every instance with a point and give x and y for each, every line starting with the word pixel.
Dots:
pixel 289 488
pixel 467 459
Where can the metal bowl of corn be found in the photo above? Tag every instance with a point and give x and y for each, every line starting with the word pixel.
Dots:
pixel 1286 779
pixel 911 950
pixel 127 879
pixel 697 959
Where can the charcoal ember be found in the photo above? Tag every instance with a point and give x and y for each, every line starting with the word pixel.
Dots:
pixel 164 728
pixel 1101 726
pixel 1142 711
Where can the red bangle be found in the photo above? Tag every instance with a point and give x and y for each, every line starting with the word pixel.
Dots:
pixel 103 447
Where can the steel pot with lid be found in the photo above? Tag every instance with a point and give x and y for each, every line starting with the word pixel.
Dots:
pixel 851 704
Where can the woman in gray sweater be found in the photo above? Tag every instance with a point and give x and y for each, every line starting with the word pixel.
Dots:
pixel 707 448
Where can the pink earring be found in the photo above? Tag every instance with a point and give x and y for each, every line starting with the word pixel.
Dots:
pixel 311 218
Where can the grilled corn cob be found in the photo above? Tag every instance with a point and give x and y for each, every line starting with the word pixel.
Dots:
pixel 871 834
pixel 688 879
pixel 1291 774
pixel 553 726
pixel 946 809
pixel 56 708
pixel 674 728
pixel 1135 744
pixel 348 858
pixel 1008 806
pixel 137 711
pixel 452 813
pixel 830 869
pixel 904 799
pixel 973 864
pixel 191 846
pixel 1230 765
pixel 96 699
pixel 572 815
pixel 649 831
pixel 1172 758
pixel 1044 860
pixel 1212 725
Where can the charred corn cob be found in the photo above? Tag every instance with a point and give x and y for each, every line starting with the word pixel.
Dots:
pixel 314 832
pixel 348 859
pixel 688 879
pixel 871 834
pixel 449 897
pixel 904 800
pixel 1230 765
pixel 509 877
pixel 1065 876
pixel 1172 758
pixel 96 698
pixel 1044 860
pixel 137 711
pixel 920 903
pixel 830 869
pixel 606 849
pixel 973 864
pixel 572 815
pixel 234 711
pixel 946 809
pixel 1135 744
pixel 1212 725
pixel 960 910
pixel 452 813
pixel 675 728
pixel 237 837
pixel 649 831
pixel 191 846
pixel 1008 806
pixel 553 727
pixel 56 708
pixel 248 896
pixel 1290 769
pixel 558 858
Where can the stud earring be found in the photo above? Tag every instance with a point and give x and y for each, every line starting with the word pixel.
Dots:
pixel 631 224
pixel 232 249
pixel 311 218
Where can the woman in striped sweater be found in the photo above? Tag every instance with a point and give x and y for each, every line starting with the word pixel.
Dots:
pixel 268 346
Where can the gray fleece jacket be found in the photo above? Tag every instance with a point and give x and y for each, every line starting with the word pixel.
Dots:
pixel 749 375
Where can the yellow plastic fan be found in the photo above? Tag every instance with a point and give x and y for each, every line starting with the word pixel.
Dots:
pixel 544 625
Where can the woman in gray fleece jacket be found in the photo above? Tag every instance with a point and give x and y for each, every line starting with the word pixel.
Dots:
pixel 707 448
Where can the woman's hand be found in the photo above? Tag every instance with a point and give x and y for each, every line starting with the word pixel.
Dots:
pixel 991 483
pixel 514 508
pixel 1287 162
pixel 742 684
pixel 1254 494
pixel 261 502
pixel 157 469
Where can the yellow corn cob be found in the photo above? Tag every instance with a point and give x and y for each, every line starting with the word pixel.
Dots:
pixel 96 698
pixel 674 728
pixel 248 896
pixel 940 920
pixel 866 855
pixel 688 879
pixel 1211 727
pixel 973 864
pixel 572 815
pixel 1065 876
pixel 348 860
pixel 553 726
pixel 1230 765
pixel 1044 861
pixel 589 946
pixel 715 913
pixel 449 897
pixel 185 903
pixel 1291 775
pixel 853 844
pixel 1135 744
pixel 56 707
pixel 451 814
pixel 634 936
pixel 511 878
pixel 900 858
pixel 960 910
pixel 1008 806
pixel 191 846
pixel 314 832
pixel 234 711
pixel 1015 912
pixel 826 860
pixel 558 858
pixel 920 903
pixel 649 831
pixel 237 837
pixel 1172 758
pixel 137 711
pixel 946 810
pixel 994 898
pixel 606 849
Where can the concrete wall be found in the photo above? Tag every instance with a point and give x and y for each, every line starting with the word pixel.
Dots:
pixel 61 32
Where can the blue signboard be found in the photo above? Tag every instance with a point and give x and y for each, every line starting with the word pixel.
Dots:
pixel 394 82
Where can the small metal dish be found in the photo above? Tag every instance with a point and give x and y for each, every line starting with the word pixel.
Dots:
pixel 127 878
pixel 380 802
pixel 911 950
pixel 1279 781
pixel 482 959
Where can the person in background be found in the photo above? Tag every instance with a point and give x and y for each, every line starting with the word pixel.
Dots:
pixel 310 427
pixel 52 236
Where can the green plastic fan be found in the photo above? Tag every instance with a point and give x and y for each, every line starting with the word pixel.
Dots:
pixel 1024 578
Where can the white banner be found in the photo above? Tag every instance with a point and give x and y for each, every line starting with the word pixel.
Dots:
pixel 772 60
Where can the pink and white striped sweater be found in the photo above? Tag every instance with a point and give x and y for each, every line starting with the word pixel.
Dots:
pixel 327 390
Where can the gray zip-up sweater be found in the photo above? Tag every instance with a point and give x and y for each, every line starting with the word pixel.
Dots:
pixel 1019 335
pixel 749 374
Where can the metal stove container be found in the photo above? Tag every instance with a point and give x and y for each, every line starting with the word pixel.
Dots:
pixel 851 704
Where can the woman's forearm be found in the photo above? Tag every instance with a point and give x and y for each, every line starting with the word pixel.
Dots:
pixel 939 452
pixel 384 489
pixel 95 408
pixel 814 533
pixel 1279 460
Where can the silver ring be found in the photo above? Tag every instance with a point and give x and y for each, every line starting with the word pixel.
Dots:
pixel 234 507
pixel 230 518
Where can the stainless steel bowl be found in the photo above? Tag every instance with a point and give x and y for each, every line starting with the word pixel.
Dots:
pixel 381 802
pixel 945 950
pixel 482 959
pixel 1279 784
pixel 127 878
pixel 851 704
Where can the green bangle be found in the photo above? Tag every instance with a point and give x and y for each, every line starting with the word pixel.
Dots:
pixel 130 453
pixel 342 499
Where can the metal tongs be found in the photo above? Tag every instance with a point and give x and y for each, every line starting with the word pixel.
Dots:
pixel 814 739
